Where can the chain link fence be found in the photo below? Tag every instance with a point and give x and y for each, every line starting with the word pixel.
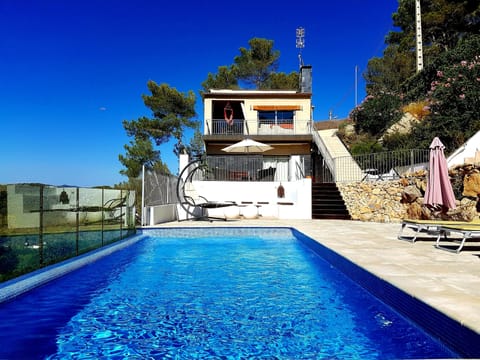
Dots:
pixel 159 189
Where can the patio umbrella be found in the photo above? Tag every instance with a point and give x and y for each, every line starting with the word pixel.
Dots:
pixel 439 192
pixel 247 146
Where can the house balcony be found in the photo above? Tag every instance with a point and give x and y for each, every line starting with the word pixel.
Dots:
pixel 220 127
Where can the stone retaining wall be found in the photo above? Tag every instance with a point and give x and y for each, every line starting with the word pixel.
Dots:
pixel 393 201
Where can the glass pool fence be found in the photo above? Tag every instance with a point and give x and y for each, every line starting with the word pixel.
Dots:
pixel 41 224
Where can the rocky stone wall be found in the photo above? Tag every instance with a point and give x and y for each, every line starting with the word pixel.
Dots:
pixel 393 201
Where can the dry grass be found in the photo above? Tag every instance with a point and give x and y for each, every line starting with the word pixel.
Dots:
pixel 418 109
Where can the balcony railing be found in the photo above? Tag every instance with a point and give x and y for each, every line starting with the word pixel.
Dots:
pixel 256 127
pixel 246 168
pixel 220 127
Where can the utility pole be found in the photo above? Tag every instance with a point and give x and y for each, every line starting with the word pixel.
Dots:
pixel 356 85
pixel 419 47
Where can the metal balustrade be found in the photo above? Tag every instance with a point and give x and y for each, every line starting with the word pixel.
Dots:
pixel 388 165
pixel 257 127
pixel 245 168
pixel 220 127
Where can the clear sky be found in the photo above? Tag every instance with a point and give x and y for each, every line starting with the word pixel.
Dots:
pixel 71 71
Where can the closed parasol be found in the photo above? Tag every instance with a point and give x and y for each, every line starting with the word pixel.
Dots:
pixel 439 192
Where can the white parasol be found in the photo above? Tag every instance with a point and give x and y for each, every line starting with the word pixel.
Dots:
pixel 247 146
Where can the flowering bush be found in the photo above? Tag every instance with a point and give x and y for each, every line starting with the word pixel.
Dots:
pixel 376 113
pixel 455 101
pixel 458 82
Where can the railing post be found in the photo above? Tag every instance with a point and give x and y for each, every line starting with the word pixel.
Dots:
pixel 208 128
pixel 334 164
pixel 411 160
pixel 103 211
pixel 121 214
pixel 143 196
pixel 40 227
pixel 77 222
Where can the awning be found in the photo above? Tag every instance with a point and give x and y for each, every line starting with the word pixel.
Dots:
pixel 276 107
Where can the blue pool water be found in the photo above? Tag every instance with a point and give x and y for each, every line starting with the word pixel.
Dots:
pixel 266 296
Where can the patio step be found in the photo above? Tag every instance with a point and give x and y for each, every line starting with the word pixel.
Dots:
pixel 327 202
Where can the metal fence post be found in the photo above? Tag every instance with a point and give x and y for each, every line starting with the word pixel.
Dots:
pixel 77 222
pixel 103 213
pixel 143 196
pixel 40 227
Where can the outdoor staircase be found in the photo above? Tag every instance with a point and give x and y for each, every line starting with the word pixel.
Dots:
pixel 332 149
pixel 327 202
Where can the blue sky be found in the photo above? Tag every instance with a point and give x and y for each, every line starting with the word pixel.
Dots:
pixel 71 71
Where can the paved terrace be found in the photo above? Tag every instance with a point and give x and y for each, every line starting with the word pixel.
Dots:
pixel 446 281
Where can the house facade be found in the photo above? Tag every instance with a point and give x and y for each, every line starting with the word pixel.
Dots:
pixel 273 183
pixel 282 119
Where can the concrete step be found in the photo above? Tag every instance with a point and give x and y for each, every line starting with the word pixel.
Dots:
pixel 327 202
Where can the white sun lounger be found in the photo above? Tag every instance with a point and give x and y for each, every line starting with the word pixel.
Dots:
pixel 428 227
pixel 466 232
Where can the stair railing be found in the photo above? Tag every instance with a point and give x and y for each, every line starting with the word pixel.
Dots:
pixel 328 160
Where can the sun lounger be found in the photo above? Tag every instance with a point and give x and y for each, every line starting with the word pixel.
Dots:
pixel 466 232
pixel 428 227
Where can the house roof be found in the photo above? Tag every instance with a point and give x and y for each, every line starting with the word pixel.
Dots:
pixel 239 94
pixel 330 124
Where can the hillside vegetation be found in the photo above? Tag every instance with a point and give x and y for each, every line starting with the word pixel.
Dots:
pixel 443 98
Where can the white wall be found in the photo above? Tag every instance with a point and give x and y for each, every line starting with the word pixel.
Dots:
pixel 296 192
pixel 161 213
pixel 468 150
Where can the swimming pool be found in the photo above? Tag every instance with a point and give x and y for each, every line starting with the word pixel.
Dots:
pixel 191 293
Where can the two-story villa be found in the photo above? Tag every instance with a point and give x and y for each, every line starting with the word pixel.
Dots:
pixel 276 181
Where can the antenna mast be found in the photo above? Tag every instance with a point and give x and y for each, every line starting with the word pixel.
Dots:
pixel 300 43
pixel 418 23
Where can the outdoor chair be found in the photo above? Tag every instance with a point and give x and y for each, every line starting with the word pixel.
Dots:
pixel 428 227
pixel 196 206
pixel 266 174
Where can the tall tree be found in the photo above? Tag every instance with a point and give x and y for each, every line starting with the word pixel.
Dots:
pixel 444 23
pixel 254 65
pixel 386 74
pixel 283 81
pixel 225 78
pixel 196 148
pixel 140 152
pixel 171 114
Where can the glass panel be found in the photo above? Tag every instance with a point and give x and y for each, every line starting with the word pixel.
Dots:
pixel 58 247
pixel 20 250
pixel 114 208
pixel 266 117
pixel 41 225
pixel 284 117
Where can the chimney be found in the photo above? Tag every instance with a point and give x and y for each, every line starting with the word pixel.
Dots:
pixel 306 79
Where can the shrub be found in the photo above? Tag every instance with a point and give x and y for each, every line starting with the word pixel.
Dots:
pixel 455 99
pixel 376 113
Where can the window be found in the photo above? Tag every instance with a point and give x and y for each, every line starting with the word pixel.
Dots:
pixel 276 117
